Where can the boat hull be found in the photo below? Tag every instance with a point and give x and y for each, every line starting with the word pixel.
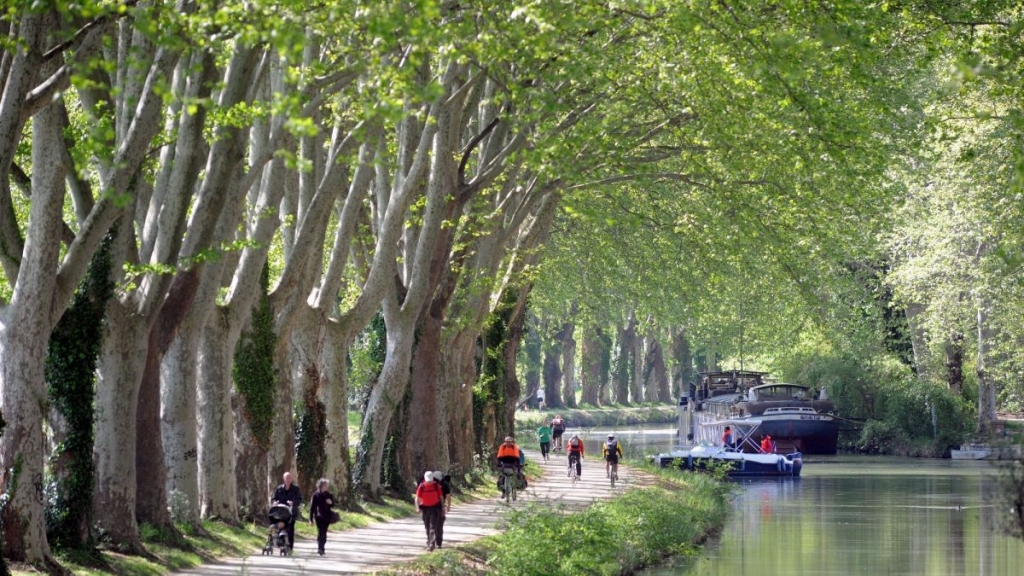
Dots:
pixel 738 464
pixel 807 434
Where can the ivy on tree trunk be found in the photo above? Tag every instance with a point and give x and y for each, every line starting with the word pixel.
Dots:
pixel 71 359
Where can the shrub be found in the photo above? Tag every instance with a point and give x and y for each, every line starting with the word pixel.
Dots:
pixel 620 535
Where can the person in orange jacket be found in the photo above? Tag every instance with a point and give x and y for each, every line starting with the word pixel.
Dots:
pixel 509 455
pixel 767 444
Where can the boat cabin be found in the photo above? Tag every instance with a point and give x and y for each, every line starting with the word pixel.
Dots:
pixel 779 392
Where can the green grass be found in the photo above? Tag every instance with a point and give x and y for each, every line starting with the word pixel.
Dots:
pixel 619 536
pixel 223 541
pixel 219 541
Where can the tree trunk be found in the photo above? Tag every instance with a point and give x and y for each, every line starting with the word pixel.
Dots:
pixel 918 339
pixel 516 327
pixel 986 387
pixel 569 365
pixel 658 384
pixel 178 416
pixel 955 363
pixel 534 348
pixel 384 399
pixel 151 497
pixel 250 469
pixel 682 363
pixel 460 374
pixel 125 346
pixel 553 371
pixel 591 375
pixel 335 388
pixel 421 428
pixel 605 356
pixel 217 478
pixel 636 357
pixel 621 376
pixel 25 328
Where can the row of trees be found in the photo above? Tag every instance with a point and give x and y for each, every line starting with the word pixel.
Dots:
pixel 246 203
pixel 631 369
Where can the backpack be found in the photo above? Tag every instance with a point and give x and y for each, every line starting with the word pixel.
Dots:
pixel 611 447
pixel 438 492
pixel 575 442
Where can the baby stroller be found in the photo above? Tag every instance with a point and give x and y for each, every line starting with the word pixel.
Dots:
pixel 277 536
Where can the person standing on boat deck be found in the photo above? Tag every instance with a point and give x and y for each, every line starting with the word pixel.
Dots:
pixel 767 444
pixel 727 438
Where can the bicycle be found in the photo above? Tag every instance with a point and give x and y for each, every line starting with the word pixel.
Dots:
pixel 510 483
pixel 613 474
pixel 574 474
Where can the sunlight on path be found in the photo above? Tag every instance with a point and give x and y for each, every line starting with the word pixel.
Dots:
pixel 385 544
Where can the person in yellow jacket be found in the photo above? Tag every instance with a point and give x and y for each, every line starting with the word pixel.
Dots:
pixel 612 451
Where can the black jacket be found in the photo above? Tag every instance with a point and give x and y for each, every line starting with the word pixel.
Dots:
pixel 283 495
pixel 319 509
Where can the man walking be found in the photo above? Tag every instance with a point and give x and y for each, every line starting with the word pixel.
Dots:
pixel 289 495
pixel 429 496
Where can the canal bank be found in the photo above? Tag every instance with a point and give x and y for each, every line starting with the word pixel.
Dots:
pixel 650 516
pixel 863 515
pixel 607 416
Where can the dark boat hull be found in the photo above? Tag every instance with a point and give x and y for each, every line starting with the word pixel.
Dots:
pixel 808 435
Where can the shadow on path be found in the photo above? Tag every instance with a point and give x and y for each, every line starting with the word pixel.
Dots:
pixel 386 544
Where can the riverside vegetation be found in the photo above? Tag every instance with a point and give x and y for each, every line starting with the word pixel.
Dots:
pixel 618 536
pixel 269 215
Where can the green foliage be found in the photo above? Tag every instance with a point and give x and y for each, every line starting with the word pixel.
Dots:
pixel 366 357
pixel 253 368
pixel 311 436
pixel 71 358
pixel 489 392
pixel 613 537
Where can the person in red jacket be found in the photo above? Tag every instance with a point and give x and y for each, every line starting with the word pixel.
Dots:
pixel 429 499
pixel 767 444
pixel 574 447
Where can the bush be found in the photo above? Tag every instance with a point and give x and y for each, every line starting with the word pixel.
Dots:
pixel 638 528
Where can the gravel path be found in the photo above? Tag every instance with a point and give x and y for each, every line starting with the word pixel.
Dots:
pixel 385 544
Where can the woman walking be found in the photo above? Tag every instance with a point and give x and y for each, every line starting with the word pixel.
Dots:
pixel 320 512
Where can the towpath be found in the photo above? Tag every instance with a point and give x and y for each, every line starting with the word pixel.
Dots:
pixel 385 544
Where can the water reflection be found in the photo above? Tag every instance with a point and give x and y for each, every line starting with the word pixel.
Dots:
pixel 851 515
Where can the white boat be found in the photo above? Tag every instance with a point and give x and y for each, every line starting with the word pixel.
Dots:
pixel 740 463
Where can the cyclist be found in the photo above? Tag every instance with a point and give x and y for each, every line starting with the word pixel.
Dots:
pixel 574 447
pixel 557 429
pixel 612 451
pixel 544 436
pixel 509 455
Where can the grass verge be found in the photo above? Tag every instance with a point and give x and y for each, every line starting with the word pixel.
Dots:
pixel 219 541
pixel 605 416
pixel 619 536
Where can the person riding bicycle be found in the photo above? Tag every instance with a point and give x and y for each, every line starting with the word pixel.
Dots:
pixel 508 457
pixel 612 451
pixel 574 447
pixel 557 429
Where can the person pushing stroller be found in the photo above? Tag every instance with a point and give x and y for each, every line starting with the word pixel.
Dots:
pixel 288 494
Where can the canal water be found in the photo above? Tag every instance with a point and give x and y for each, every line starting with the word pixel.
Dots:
pixel 852 515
